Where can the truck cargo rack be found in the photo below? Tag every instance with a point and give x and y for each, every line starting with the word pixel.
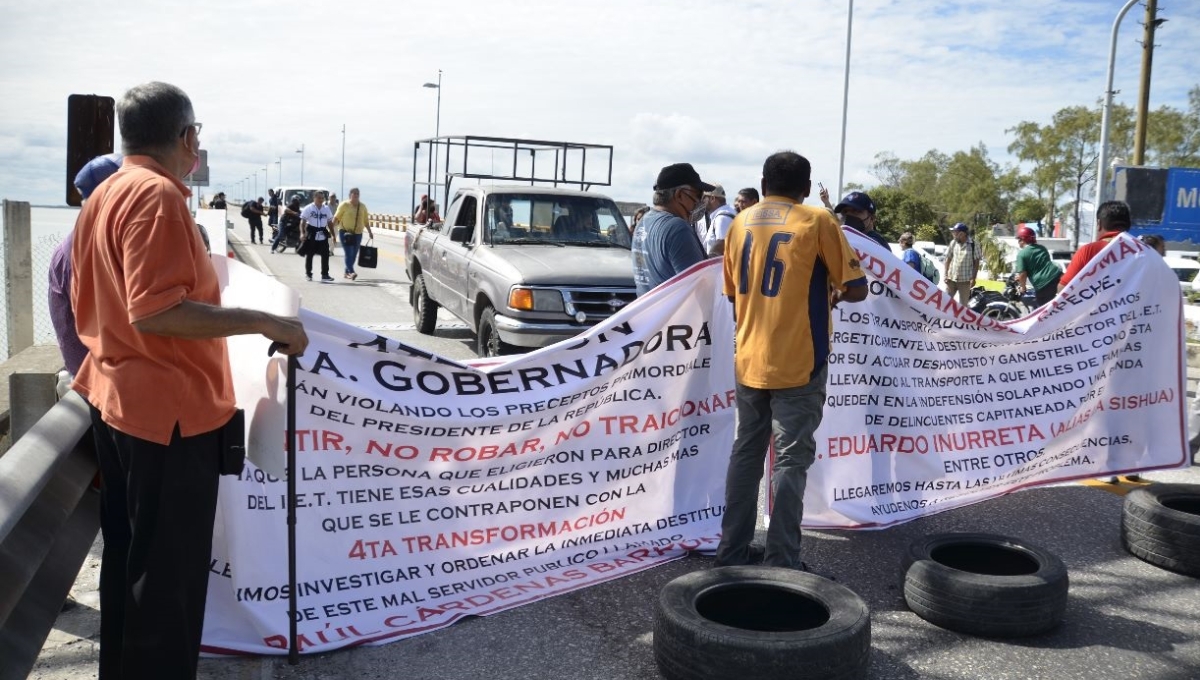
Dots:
pixel 574 164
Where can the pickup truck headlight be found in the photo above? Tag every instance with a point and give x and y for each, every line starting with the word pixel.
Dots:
pixel 535 300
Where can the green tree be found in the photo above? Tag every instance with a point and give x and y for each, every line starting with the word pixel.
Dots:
pixel 1026 209
pixel 898 211
pixel 969 188
pixel 1037 145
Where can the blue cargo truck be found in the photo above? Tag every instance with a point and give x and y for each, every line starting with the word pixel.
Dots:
pixel 1164 201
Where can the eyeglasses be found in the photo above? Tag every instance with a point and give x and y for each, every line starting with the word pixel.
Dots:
pixel 191 125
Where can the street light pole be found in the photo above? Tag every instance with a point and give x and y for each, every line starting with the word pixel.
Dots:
pixel 301 152
pixel 266 178
pixel 1105 111
pixel 437 131
pixel 342 189
pixel 845 100
pixel 279 169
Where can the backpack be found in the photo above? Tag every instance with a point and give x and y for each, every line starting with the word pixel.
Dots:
pixel 246 209
pixel 929 269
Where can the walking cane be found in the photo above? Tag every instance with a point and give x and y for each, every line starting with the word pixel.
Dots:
pixel 290 387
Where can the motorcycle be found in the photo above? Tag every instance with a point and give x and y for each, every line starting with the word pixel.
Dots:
pixel 1002 306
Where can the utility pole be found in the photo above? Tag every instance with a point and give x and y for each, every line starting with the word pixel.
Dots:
pixel 342 190
pixel 1143 111
pixel 845 98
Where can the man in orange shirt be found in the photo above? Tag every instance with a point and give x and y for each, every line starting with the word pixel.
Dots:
pixel 147 308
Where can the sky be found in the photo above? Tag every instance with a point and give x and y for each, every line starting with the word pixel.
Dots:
pixel 721 85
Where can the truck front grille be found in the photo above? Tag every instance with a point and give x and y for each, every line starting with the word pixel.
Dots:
pixel 597 303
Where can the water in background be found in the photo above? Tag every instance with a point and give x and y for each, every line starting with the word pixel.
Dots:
pixel 48 227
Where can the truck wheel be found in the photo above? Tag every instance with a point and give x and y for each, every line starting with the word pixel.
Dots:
pixel 984 584
pixel 424 308
pixel 1160 524
pixel 760 622
pixel 490 344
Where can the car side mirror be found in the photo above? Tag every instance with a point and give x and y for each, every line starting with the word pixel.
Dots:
pixel 460 233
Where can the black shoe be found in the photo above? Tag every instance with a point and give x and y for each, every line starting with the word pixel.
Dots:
pixel 755 554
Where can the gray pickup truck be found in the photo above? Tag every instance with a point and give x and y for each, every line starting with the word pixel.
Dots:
pixel 522 266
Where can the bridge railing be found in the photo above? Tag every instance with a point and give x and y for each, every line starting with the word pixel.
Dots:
pixel 391 222
pixel 49 517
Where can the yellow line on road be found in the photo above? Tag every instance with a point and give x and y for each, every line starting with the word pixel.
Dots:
pixel 1123 486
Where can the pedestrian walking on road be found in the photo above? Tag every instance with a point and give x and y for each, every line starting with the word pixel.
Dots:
pixel 256 213
pixel 962 263
pixel 158 382
pixel 314 238
pixel 274 200
pixel 351 219
pixel 778 274
pixel 665 242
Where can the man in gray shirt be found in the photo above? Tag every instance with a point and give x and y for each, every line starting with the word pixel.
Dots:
pixel 665 243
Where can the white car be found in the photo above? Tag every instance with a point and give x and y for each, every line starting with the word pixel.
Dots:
pixel 1187 270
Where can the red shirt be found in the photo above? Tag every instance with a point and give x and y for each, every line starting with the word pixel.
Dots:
pixel 137 253
pixel 1084 255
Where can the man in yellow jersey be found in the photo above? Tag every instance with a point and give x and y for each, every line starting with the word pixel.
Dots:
pixel 785 264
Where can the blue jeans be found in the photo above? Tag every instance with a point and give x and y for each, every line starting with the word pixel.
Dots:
pixel 350 243
pixel 790 418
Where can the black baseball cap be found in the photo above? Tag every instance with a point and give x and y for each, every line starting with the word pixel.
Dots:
pixel 680 175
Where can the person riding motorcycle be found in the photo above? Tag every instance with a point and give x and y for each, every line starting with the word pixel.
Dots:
pixel 1036 268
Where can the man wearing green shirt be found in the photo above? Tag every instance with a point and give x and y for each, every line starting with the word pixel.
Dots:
pixel 1035 268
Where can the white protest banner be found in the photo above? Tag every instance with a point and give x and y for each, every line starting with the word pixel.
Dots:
pixel 430 490
pixel 930 408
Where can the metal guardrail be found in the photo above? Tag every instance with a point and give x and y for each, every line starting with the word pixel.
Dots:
pixel 48 522
pixel 391 222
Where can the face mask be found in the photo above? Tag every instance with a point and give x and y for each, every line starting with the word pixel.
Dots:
pixel 699 210
pixel 852 221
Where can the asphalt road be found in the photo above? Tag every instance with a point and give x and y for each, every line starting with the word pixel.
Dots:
pixel 1125 618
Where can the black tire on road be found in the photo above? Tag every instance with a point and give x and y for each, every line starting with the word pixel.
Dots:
pixel 424 308
pixel 488 339
pixel 985 585
pixel 762 623
pixel 1160 524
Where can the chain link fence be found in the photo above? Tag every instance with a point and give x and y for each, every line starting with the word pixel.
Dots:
pixel 48 228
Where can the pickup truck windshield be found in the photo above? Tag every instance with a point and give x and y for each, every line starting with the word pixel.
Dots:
pixel 533 219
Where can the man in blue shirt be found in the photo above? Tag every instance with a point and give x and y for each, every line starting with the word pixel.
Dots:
pixel 665 243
